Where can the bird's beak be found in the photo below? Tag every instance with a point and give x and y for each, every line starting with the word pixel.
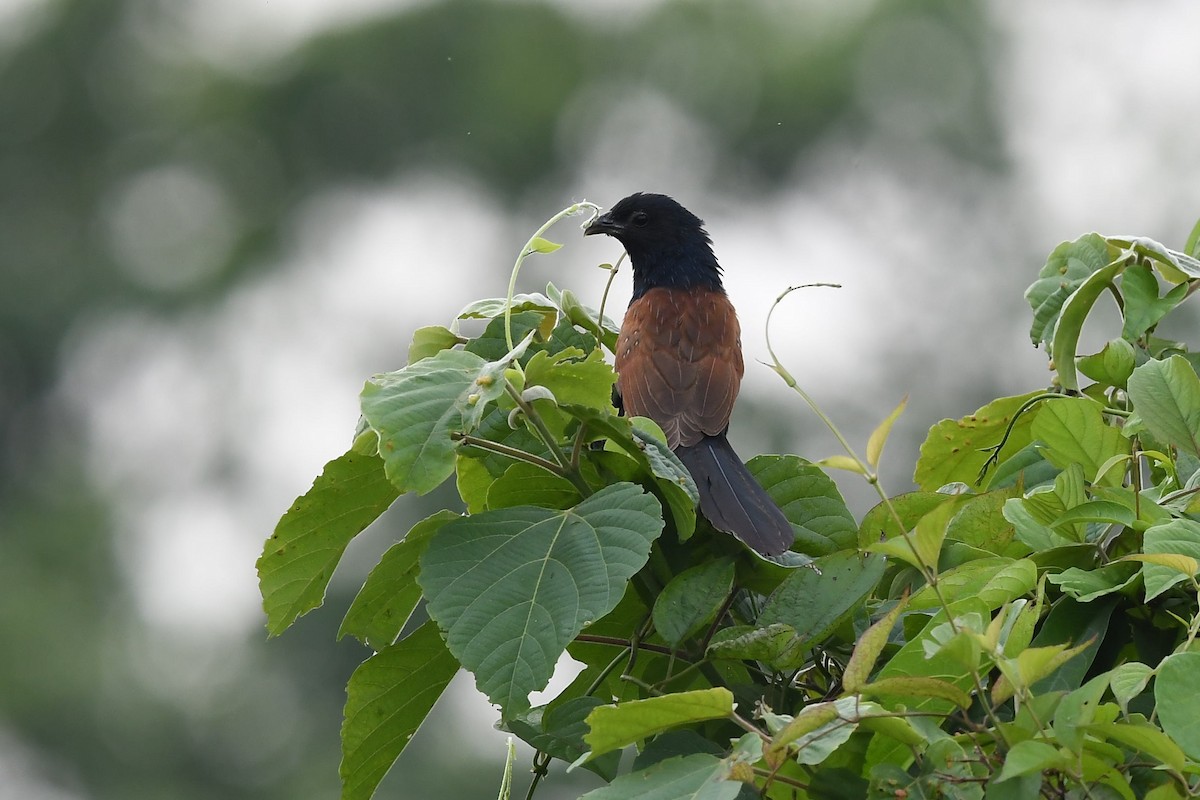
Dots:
pixel 603 224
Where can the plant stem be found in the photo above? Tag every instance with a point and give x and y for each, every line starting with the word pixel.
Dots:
pixel 567 471
pixel 512 452
pixel 529 249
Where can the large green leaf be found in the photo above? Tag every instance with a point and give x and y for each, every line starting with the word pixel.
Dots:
pixel 1112 365
pixel 1067 266
pixel 1073 432
pixel 615 726
pixel 511 588
pixel 1166 395
pixel 416 409
pixel 810 500
pixel 995 580
pixel 391 592
pixel 980 523
pixel 1143 307
pixel 574 376
pixel 1177 536
pixel 695 777
pixel 814 602
pixel 524 484
pixel 387 699
pixel 1177 699
pixel 1070 321
pixel 299 557
pixel 692 599
pixel 954 449
pixel 884 521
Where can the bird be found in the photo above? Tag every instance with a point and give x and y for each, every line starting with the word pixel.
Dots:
pixel 679 360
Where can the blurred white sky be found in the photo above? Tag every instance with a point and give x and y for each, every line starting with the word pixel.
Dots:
pixel 205 428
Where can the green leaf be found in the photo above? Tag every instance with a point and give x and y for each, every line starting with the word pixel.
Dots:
pixel 918 687
pixel 1030 530
pixel 1077 711
pixel 1030 756
pixel 1192 248
pixel 813 603
pixel 430 341
pixel 776 644
pixel 616 726
pixel 953 450
pixel 492 344
pixel 1067 266
pixel 1104 511
pixel 911 662
pixel 1070 321
pixel 922 547
pixel 870 645
pixel 879 524
pixel 965 580
pixel 574 377
pixel 1127 681
pixel 1069 622
pixel 1166 395
pixel 529 484
pixel 390 594
pixel 1144 738
pixel 812 717
pixel 1086 585
pixel 1177 698
pixel 1176 537
pixel 1073 431
pixel 1176 267
pixel 585 317
pixel 810 500
pixel 511 588
pixel 847 463
pixel 1112 366
pixel 539 245
pixel 494 307
pixel 558 730
pixel 980 523
pixel 879 436
pixel 692 599
pixel 815 744
pixel 695 777
pixel 298 559
pixel 1143 307
pixel 387 699
pixel 415 411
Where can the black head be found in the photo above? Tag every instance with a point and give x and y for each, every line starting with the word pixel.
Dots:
pixel 666 243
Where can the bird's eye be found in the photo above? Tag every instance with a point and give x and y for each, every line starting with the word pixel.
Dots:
pixel 639 218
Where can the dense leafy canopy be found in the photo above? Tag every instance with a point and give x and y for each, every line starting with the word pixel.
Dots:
pixel 1026 622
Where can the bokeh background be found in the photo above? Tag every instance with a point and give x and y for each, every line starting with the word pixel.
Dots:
pixel 217 217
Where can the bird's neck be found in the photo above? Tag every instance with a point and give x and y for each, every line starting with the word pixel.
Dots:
pixel 676 270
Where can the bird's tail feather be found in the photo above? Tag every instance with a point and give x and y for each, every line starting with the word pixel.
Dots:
pixel 732 500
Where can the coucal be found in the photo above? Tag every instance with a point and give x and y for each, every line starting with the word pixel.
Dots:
pixel 679 360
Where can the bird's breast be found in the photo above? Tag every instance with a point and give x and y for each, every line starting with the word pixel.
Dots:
pixel 679 361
